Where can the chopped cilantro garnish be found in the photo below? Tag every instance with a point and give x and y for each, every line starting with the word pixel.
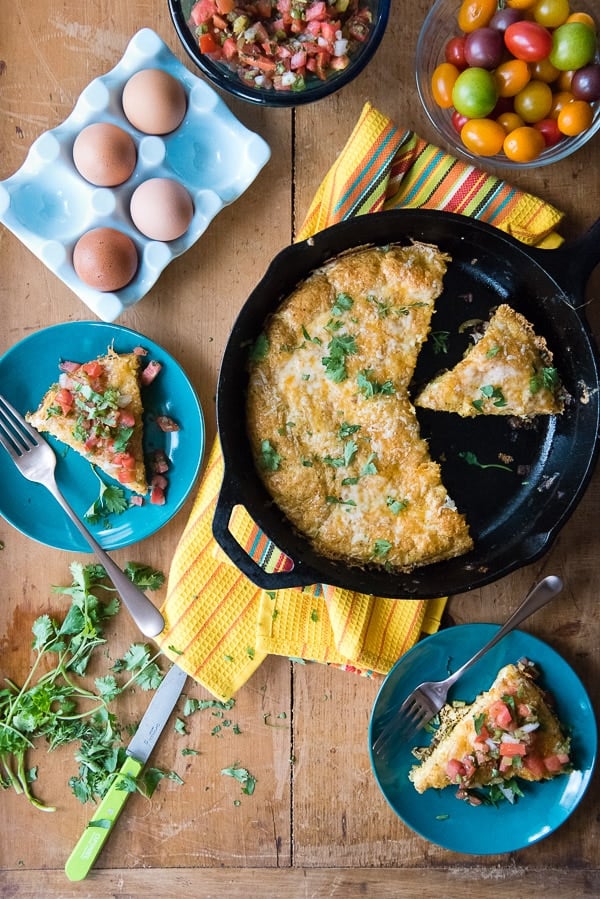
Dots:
pixel 259 348
pixel 369 387
pixel 440 341
pixel 111 500
pixel 346 430
pixel 335 363
pixel 546 378
pixel 381 548
pixel 489 392
pixel 369 467
pixel 342 304
pixel 269 457
pixel 396 505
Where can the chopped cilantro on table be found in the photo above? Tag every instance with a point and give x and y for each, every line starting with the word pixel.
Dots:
pixel 55 705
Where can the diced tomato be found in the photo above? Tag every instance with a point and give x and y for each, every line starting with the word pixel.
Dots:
pixel 316 10
pixel 165 423
pixel 455 769
pixel 136 500
pixel 157 496
pixel 126 418
pixel 225 6
pixel 150 372
pixel 553 764
pixel 69 366
pixel 512 749
pixel 500 714
pixel 93 369
pixel 160 462
pixel 65 400
pixel 483 735
pixel 124 476
pixel 92 442
pixel 229 48
pixel 140 351
pixel 159 481
pixel 535 765
pixel 208 45
pixel 203 11
pixel 125 461
pixel 524 710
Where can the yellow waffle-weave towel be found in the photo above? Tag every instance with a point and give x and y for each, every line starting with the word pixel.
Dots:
pixel 219 625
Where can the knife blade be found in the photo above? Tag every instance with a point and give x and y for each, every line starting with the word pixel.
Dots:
pixel 157 714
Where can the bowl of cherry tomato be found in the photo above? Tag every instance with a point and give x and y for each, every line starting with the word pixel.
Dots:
pixel 514 83
pixel 280 52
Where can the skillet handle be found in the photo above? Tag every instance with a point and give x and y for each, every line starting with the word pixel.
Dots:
pixel 572 264
pixel 298 576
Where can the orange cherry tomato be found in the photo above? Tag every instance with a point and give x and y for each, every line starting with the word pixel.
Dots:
pixel 483 137
pixel 521 4
pixel 584 18
pixel 559 99
pixel 475 14
pixel 523 144
pixel 511 77
pixel 442 82
pixel 510 121
pixel 575 117
pixel 534 102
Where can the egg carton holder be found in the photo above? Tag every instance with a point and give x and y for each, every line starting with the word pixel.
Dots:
pixel 48 205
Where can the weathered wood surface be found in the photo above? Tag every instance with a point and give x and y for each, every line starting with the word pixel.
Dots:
pixel 317 826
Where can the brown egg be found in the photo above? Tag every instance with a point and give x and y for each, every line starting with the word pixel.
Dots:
pixel 105 259
pixel 154 101
pixel 104 154
pixel 161 208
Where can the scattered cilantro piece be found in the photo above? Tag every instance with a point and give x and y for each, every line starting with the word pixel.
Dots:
pixel 440 341
pixel 396 505
pixel 369 387
pixel 471 459
pixel 544 379
pixel 489 392
pixel 243 776
pixel 343 303
pixel 111 500
pixel 335 363
pixel 259 348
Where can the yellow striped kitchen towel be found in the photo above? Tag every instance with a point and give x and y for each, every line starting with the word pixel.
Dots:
pixel 219 625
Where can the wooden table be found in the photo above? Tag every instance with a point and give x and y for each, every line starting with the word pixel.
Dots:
pixel 316 826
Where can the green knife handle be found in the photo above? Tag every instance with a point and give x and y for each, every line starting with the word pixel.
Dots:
pixel 93 838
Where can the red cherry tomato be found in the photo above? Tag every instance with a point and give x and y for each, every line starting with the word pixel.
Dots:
pixel 528 41
pixel 455 52
pixel 550 131
pixel 458 120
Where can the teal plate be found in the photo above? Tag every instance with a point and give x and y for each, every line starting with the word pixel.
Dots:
pixel 436 814
pixel 26 372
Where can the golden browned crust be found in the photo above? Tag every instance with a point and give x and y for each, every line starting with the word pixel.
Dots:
pixel 121 375
pixel 459 742
pixel 334 435
pixel 508 371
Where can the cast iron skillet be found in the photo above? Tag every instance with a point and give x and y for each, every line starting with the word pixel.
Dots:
pixel 514 514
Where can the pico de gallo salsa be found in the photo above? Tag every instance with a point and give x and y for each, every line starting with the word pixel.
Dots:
pixel 281 44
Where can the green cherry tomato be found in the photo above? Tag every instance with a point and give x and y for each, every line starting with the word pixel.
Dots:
pixel 573 46
pixel 474 93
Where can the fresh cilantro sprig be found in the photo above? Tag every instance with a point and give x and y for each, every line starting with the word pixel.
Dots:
pixel 111 500
pixel 471 459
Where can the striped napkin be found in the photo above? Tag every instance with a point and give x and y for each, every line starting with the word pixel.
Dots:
pixel 219 626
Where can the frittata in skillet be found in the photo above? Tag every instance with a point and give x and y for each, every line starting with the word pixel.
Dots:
pixel 509 371
pixel 333 432
pixel 96 409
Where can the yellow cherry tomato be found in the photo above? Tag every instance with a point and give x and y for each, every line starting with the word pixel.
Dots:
pixel 510 121
pixel 475 14
pixel 523 144
pixel 575 117
pixel 442 82
pixel 511 77
pixel 551 13
pixel 543 70
pixel 521 4
pixel 534 102
pixel 559 99
pixel 584 18
pixel 484 137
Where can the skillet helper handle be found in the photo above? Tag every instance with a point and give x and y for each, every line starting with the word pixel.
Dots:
pixel 572 264
pixel 95 835
pixel 276 580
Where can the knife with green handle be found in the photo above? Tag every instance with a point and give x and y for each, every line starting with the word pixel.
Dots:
pixel 101 823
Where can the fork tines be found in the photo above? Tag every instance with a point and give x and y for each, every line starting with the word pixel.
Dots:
pixel 409 720
pixel 13 429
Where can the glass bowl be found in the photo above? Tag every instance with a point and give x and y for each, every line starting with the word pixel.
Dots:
pixel 439 26
pixel 227 76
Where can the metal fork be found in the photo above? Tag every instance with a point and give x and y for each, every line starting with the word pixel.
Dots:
pixel 426 700
pixel 35 459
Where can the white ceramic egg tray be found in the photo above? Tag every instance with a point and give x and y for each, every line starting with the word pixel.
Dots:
pixel 48 205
